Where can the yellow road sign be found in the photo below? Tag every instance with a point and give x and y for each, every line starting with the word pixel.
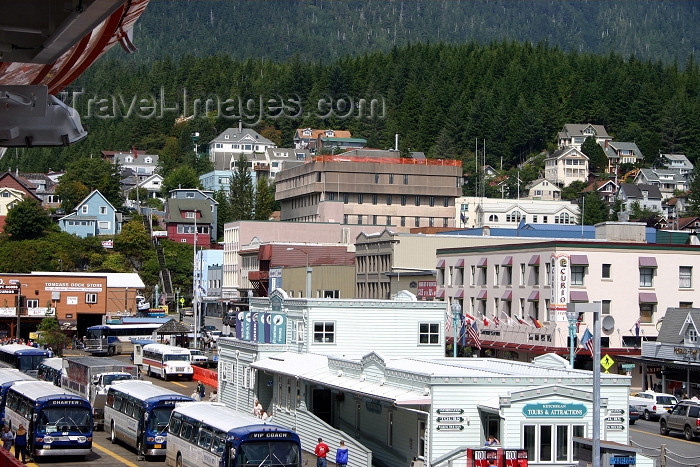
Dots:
pixel 607 362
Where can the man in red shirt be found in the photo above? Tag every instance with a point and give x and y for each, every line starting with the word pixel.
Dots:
pixel 321 451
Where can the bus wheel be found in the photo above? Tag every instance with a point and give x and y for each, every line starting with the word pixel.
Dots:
pixel 165 375
pixel 178 462
pixel 113 434
pixel 110 351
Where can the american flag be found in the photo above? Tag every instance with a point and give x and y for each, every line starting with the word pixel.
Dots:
pixel 473 331
pixel 636 327
pixel 587 340
pixel 496 321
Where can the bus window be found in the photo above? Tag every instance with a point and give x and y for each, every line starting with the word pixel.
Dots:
pixel 186 432
pixel 218 445
pixel 159 418
pixel 129 408
pixel 204 439
pixel 117 403
pixel 110 399
pixel 175 426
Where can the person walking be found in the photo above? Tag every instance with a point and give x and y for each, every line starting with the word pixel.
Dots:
pixel 321 452
pixel 341 455
pixel 201 390
pixel 21 443
pixel 7 438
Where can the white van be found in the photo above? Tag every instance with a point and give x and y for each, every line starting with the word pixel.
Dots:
pixel 167 361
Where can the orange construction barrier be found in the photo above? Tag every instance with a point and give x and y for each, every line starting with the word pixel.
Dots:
pixel 208 377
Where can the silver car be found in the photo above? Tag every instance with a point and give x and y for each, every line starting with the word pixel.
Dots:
pixel 684 417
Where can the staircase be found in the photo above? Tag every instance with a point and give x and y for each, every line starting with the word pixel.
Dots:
pixel 166 282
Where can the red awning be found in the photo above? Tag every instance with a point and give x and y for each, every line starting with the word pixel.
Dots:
pixel 460 263
pixel 647 297
pixel 579 260
pixel 440 293
pixel 578 296
pixel 482 262
pixel 534 261
pixel 534 296
pixel 440 264
pixel 508 295
pixel 460 293
pixel 482 295
pixel 647 262
pixel 507 261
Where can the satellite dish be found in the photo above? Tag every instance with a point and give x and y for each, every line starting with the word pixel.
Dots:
pixel 608 324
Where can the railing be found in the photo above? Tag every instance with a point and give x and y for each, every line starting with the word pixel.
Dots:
pixel 388 160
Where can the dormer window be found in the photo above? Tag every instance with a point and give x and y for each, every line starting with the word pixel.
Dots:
pixel 148 160
pixel 129 160
pixel 330 133
pixel 307 132
pixel 190 215
pixel 691 335
pixel 226 137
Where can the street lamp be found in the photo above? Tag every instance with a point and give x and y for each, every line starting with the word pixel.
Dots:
pixel 177 302
pixel 309 271
pixel 456 312
pixel 572 317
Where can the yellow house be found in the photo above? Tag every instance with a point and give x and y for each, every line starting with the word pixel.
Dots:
pixel 9 197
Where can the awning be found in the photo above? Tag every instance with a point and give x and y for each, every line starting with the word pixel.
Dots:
pixel 482 295
pixel 415 401
pixel 491 405
pixel 647 297
pixel 440 293
pixel 508 295
pixel 579 260
pixel 483 262
pixel 460 293
pixel 507 261
pixel 647 262
pixel 440 264
pixel 460 263
pixel 578 296
pixel 534 261
pixel 534 296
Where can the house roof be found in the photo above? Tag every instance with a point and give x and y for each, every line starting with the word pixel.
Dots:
pixel 173 327
pixel 537 181
pixel 316 132
pixel 244 135
pixel 29 187
pixel 635 191
pixel 176 206
pixel 654 175
pixel 90 196
pixel 685 222
pixel 670 332
pixel 600 185
pixel 614 146
pixel 679 158
pixel 560 153
pixel 577 129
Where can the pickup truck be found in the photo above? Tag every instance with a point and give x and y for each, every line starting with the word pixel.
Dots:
pixel 198 358
pixel 652 404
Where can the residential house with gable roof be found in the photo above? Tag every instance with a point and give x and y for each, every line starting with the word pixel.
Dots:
pixel 226 148
pixel 607 189
pixel 307 138
pixel 566 165
pixel 678 162
pixel 619 153
pixel 573 135
pixel 9 197
pixel 141 164
pixel 93 216
pixel 668 181
pixel 648 197
pixel 10 180
pixel 187 209
pixel 44 187
pixel 543 189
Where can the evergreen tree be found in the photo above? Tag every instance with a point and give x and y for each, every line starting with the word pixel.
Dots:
pixel 223 212
pixel 182 177
pixel 50 335
pixel 242 199
pixel 597 160
pixel 573 190
pixel 264 199
pixel 595 209
pixel 94 174
pixel 27 220
pixel 693 206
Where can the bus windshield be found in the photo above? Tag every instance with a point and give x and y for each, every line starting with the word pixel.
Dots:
pixel 94 333
pixel 109 379
pixel 159 417
pixel 62 419
pixel 176 357
pixel 261 453
pixel 30 362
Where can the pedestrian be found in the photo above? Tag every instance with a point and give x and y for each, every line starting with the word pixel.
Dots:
pixel 492 441
pixel 195 395
pixel 341 455
pixel 321 452
pixel 213 396
pixel 201 390
pixel 257 409
pixel 21 443
pixel 7 438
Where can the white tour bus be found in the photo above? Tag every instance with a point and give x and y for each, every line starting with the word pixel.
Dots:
pixel 167 361
pixel 137 412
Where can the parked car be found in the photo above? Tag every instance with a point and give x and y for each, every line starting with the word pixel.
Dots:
pixel 684 417
pixel 188 312
pixel 633 414
pixel 653 404
pixel 198 358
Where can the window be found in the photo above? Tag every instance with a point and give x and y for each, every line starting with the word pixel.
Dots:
pixel 32 303
pixel 493 218
pixel 374 219
pixel 359 219
pixel 346 198
pixel 431 201
pixel 405 179
pixel 376 178
pixel 431 222
pixel 535 275
pixel 417 222
pixel 360 198
pixel 606 271
pixel 374 199
pixel 403 200
pixel 522 273
pixel 84 209
pixel 90 298
pixel 388 200
pixel 324 332
pixel 391 179
pixel 446 201
pixel 429 333
pixel 646 312
pixel 388 220
pixel 403 221
pixel 417 200
pixel 496 274
pixel 472 277
pixel 445 222
pixel 103 210
pixel 685 277
pixel 646 277
pixel 577 273
pixel 190 215
pixel 104 225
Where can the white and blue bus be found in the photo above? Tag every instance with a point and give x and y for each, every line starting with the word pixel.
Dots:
pixel 114 339
pixel 167 361
pixel 58 422
pixel 210 434
pixel 8 377
pixel 51 370
pixel 22 357
pixel 137 413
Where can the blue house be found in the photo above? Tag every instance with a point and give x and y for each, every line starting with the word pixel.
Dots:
pixel 92 216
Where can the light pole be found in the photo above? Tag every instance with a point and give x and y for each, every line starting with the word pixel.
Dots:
pixel 19 300
pixel 309 271
pixel 177 302
pixel 572 317
pixel 456 312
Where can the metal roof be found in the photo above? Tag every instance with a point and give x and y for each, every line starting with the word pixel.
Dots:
pixel 38 389
pixel 114 279
pixel 221 417
pixel 146 390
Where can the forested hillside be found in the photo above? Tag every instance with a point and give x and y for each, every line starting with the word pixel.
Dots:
pixel 326 30
pixel 439 98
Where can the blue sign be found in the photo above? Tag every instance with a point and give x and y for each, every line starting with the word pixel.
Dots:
pixel 278 326
pixel 554 410
pixel 626 460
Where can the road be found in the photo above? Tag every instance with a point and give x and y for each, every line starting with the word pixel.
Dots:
pixel 680 453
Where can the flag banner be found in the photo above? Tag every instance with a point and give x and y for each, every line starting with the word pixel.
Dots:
pixel 537 324
pixel 587 340
pixel 474 335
